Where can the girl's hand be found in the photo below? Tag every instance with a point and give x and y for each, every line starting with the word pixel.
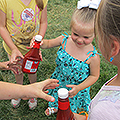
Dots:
pixel 79 117
pixel 32 43
pixel 15 54
pixel 40 54
pixel 74 90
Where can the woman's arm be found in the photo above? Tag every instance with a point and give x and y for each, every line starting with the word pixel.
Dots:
pixel 36 90
pixel 10 90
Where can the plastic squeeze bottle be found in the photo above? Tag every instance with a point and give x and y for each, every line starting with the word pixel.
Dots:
pixel 64 111
pixel 32 58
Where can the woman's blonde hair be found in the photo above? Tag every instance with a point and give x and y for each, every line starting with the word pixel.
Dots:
pixel 84 15
pixel 40 4
pixel 107 23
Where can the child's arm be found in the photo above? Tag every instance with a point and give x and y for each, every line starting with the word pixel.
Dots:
pixel 93 77
pixel 43 22
pixel 51 42
pixel 6 37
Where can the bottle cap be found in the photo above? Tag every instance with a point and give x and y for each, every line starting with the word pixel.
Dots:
pixel 62 93
pixel 38 38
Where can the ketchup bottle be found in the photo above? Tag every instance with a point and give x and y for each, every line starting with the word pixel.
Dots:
pixel 32 58
pixel 64 111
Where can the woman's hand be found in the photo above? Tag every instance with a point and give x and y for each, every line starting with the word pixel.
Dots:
pixel 9 66
pixel 40 87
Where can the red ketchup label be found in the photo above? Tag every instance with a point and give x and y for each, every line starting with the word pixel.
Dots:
pixel 36 45
pixel 63 105
pixel 31 66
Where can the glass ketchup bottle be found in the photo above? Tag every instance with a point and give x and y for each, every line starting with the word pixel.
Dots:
pixel 32 58
pixel 64 111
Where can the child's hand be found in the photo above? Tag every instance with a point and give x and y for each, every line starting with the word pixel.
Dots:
pixel 74 90
pixel 79 117
pixel 15 54
pixel 32 43
pixel 40 54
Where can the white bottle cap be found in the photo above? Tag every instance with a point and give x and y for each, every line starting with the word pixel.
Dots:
pixel 38 38
pixel 62 93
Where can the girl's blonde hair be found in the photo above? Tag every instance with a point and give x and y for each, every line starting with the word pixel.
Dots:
pixel 40 4
pixel 108 23
pixel 84 15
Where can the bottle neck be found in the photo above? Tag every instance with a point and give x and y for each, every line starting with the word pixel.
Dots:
pixel 63 104
pixel 36 44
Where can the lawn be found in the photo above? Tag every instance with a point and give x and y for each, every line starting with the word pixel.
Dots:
pixel 59 15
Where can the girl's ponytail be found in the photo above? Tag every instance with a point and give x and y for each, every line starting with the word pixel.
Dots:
pixel 40 4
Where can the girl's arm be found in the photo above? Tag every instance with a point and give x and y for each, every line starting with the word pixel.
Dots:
pixel 43 22
pixel 51 42
pixel 36 90
pixel 93 77
pixel 6 37
pixel 94 73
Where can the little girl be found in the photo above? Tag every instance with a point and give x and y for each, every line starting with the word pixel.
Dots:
pixel 78 63
pixel 20 21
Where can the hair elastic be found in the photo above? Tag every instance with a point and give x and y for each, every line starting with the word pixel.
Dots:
pixel 86 114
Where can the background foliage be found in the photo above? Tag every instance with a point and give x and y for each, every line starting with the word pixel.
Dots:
pixel 59 15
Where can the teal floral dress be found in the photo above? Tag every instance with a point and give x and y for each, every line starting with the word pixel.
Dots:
pixel 72 71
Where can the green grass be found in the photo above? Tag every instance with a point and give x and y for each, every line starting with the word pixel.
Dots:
pixel 59 15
